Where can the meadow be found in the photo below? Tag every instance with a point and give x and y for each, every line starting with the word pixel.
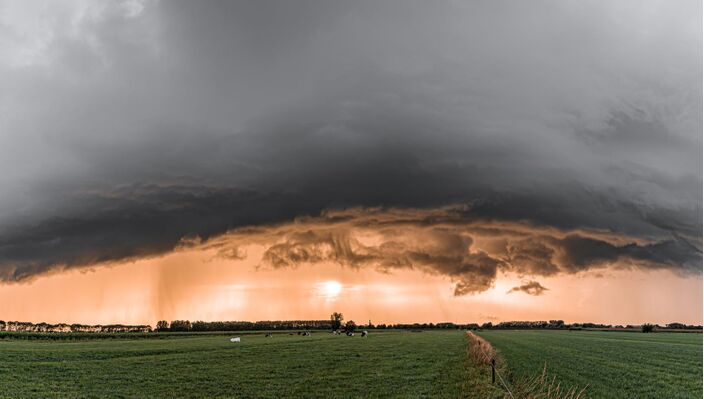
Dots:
pixel 385 364
pixel 389 364
pixel 611 364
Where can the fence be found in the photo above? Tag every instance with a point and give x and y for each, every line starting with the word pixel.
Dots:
pixel 483 347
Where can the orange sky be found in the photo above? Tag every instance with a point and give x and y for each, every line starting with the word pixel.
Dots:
pixel 197 285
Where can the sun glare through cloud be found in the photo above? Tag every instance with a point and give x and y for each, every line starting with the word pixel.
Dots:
pixel 329 290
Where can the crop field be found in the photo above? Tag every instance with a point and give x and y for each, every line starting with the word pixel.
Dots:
pixel 388 364
pixel 612 364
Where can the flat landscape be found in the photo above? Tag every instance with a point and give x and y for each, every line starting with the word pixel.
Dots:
pixel 613 364
pixel 398 364
pixel 388 364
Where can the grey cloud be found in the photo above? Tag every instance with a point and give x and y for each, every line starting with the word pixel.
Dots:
pixel 135 221
pixel 129 128
pixel 579 252
pixel 531 288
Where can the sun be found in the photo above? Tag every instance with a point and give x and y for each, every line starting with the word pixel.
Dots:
pixel 329 289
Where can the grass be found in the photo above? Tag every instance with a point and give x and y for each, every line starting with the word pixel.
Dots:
pixel 389 364
pixel 612 364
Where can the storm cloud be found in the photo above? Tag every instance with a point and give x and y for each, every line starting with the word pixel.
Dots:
pixel 129 127
pixel 449 241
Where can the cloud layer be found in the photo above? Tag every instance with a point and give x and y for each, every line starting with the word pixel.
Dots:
pixel 452 242
pixel 131 125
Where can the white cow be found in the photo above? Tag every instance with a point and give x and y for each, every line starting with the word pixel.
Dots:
pixel 235 339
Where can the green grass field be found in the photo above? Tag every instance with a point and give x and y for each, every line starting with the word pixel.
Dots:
pixel 388 364
pixel 614 364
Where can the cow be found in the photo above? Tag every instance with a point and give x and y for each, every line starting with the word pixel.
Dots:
pixel 365 333
pixel 237 339
pixel 268 335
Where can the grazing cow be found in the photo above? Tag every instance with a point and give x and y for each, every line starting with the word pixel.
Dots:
pixel 268 335
pixel 365 333
pixel 235 339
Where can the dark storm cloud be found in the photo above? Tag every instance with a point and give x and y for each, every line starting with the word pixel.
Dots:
pixel 131 125
pixel 531 288
pixel 133 222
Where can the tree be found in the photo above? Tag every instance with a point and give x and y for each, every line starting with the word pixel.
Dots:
pixel 336 320
pixel 350 326
pixel 647 327
pixel 557 324
pixel 180 325
pixel 162 325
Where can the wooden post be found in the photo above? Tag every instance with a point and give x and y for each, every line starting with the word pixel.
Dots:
pixel 493 370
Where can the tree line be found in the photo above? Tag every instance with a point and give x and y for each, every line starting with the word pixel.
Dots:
pixel 23 326
pixel 560 324
pixel 335 323
pixel 186 325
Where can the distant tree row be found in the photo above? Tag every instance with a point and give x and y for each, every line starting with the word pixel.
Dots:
pixel 336 323
pixel 185 325
pixel 559 324
pixel 521 325
pixel 427 326
pixel 21 326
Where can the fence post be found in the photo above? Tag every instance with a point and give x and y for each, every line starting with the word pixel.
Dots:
pixel 493 370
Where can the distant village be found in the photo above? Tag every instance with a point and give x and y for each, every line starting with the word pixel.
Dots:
pixel 21 326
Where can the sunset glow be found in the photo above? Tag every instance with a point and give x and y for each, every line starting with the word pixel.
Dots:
pixel 199 285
